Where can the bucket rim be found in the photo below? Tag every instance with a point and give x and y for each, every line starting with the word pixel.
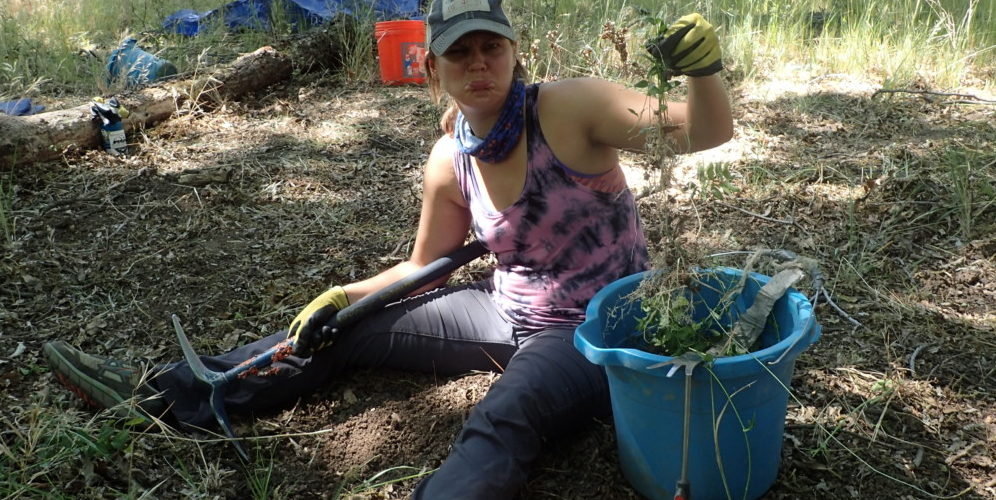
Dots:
pixel 787 348
pixel 385 28
pixel 398 23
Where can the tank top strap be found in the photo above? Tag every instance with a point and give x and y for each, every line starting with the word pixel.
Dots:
pixel 534 135
pixel 464 173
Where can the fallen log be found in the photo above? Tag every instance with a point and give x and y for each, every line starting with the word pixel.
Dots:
pixel 29 139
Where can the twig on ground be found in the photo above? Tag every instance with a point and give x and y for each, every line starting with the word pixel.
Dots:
pixel 983 102
pixel 501 369
pixel 974 98
pixel 961 453
pixel 913 356
pixel 790 222
pixel 840 312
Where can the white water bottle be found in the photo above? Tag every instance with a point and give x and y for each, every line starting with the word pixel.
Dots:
pixel 112 133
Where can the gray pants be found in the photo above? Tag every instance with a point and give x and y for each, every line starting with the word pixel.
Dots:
pixel 547 388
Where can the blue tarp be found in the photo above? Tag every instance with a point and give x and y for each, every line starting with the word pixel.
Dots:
pixel 20 107
pixel 136 66
pixel 255 14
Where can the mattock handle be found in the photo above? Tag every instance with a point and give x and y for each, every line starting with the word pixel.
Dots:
pixel 348 316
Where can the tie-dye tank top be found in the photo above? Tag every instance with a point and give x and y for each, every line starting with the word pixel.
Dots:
pixel 566 237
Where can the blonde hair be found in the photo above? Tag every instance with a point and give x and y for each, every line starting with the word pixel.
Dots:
pixel 447 121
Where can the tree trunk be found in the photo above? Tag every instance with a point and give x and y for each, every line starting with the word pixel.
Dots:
pixel 28 139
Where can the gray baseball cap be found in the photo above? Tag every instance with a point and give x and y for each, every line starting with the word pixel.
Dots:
pixel 451 19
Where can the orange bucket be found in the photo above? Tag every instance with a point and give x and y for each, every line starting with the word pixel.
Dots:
pixel 401 49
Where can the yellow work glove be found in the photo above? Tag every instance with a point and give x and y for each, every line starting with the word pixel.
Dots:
pixel 309 329
pixel 688 47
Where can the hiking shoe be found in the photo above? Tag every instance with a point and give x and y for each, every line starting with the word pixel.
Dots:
pixel 104 383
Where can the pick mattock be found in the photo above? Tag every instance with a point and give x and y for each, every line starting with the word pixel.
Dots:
pixel 218 381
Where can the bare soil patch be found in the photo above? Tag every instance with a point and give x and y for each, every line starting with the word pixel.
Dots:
pixel 234 217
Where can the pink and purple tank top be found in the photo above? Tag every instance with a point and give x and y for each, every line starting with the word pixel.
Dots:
pixel 566 237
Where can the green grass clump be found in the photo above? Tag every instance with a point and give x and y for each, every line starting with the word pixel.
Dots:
pixel 42 449
pixel 971 187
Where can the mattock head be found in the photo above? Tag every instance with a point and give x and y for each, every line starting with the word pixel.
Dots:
pixel 688 361
pixel 218 407
pixel 216 381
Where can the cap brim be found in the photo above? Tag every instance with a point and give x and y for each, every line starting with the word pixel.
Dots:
pixel 443 41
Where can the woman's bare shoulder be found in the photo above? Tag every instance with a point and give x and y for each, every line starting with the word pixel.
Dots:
pixel 442 150
pixel 439 166
pixel 587 101
pixel 580 90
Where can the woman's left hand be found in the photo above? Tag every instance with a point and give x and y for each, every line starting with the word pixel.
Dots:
pixel 688 47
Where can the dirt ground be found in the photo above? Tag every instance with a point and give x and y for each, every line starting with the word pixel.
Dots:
pixel 233 217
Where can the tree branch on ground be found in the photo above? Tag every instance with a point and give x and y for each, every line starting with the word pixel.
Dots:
pixel 973 98
pixel 45 136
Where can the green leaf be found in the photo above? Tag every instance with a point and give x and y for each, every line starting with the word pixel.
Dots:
pixel 136 422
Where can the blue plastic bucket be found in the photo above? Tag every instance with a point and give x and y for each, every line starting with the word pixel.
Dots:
pixel 738 407
pixel 137 66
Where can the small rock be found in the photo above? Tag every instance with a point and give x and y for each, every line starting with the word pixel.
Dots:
pixel 349 397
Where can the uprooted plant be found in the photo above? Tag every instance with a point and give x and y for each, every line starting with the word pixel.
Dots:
pixel 668 326
pixel 675 319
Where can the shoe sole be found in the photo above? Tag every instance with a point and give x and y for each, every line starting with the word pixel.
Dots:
pixel 101 397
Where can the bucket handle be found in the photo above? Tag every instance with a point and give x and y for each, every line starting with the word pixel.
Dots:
pixel 810 323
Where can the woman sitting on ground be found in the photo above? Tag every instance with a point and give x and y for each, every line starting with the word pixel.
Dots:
pixel 533 172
